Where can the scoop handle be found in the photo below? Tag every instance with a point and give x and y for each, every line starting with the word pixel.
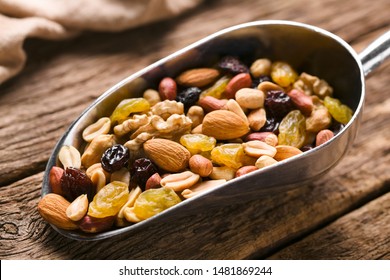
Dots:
pixel 376 53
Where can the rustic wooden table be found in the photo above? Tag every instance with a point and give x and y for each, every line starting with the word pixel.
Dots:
pixel 344 215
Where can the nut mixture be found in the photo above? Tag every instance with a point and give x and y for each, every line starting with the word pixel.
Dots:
pixel 193 133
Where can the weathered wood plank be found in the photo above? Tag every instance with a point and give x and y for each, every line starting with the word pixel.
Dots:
pixel 362 234
pixel 38 105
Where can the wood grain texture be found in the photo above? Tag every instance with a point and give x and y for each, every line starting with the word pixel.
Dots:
pixel 62 78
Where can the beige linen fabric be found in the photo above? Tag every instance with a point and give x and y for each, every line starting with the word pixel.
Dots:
pixel 61 19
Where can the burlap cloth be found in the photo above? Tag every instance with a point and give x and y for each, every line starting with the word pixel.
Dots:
pixel 61 19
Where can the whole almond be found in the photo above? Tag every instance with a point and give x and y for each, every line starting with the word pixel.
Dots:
pixel 285 151
pixel 242 80
pixel 224 125
pixel 55 179
pixel 167 89
pixel 209 103
pixel 198 77
pixel 323 136
pixel 52 208
pixel 201 165
pixel 167 154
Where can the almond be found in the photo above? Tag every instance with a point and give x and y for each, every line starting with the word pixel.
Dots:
pixel 167 154
pixel 224 125
pixel 52 208
pixel 285 151
pixel 198 77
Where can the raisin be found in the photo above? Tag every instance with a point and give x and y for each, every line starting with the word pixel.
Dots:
pixel 141 171
pixel 340 112
pixel 75 182
pixel 217 89
pixel 271 125
pixel 292 129
pixel 189 97
pixel 259 80
pixel 278 104
pixel 115 158
pixel 109 200
pixel 197 143
pixel 283 74
pixel 154 201
pixel 127 107
pixel 232 65
pixel 231 155
pixel 336 127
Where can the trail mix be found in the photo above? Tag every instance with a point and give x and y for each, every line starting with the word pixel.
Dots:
pixel 194 132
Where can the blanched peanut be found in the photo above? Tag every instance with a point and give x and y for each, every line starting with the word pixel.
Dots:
pixel 202 187
pixel 234 107
pixel 196 114
pixel 78 208
pixel 69 156
pixel 133 195
pixel 258 148
pixel 257 119
pixel 122 175
pixel 250 98
pixel 101 126
pixel 96 149
pixel 264 161
pixel 223 172
pixel 180 181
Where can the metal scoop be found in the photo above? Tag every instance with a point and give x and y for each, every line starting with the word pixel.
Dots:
pixel 307 48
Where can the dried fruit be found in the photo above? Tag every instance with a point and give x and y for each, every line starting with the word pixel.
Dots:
pixel 141 171
pixel 232 65
pixel 278 104
pixel 75 182
pixel 283 74
pixel 340 112
pixel 115 157
pixel 197 143
pixel 109 200
pixel 292 129
pixel 127 107
pixel 154 201
pixel 217 89
pixel 231 155
pixel 189 97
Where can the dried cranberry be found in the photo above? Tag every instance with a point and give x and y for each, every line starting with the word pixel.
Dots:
pixel 232 65
pixel 141 171
pixel 115 158
pixel 75 182
pixel 189 97
pixel 278 104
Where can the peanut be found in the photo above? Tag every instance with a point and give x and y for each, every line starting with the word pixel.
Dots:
pixel 257 119
pixel 260 67
pixel 101 126
pixel 250 98
pixel 180 181
pixel 258 148
pixel 323 136
pixel 69 156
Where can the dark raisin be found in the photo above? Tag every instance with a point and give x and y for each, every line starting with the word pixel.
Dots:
pixel 278 104
pixel 262 78
pixel 115 158
pixel 307 148
pixel 189 97
pixel 336 127
pixel 232 65
pixel 141 171
pixel 75 182
pixel 271 125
